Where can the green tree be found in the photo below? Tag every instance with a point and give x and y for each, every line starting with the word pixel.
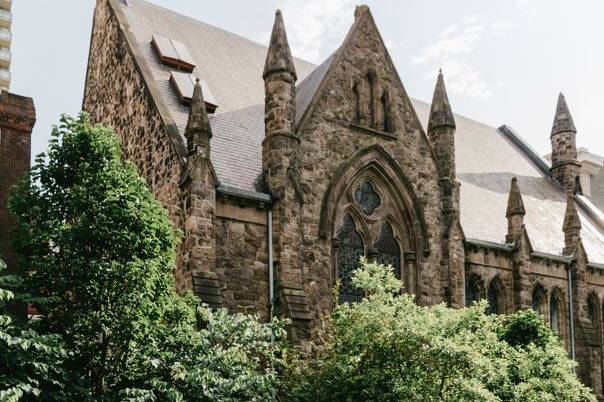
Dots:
pixel 98 253
pixel 31 365
pixel 387 348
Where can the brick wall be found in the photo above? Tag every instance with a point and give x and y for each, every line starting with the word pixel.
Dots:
pixel 17 118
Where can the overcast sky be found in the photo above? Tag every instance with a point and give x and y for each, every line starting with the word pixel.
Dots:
pixel 504 60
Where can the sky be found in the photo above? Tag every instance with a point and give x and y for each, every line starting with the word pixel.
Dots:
pixel 504 61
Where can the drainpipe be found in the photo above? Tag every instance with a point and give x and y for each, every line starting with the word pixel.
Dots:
pixel 571 313
pixel 271 281
pixel 271 273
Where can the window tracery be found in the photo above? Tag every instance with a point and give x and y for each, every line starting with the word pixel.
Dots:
pixel 350 249
pixel 367 198
pixel 388 249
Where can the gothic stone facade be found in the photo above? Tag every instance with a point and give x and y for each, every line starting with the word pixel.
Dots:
pixel 346 170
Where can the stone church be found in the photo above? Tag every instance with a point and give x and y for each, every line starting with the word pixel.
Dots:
pixel 281 174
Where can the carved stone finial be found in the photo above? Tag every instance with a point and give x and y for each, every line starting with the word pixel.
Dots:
pixel 360 10
pixel 563 121
pixel 279 57
pixel 441 114
pixel 198 129
pixel 571 217
pixel 515 204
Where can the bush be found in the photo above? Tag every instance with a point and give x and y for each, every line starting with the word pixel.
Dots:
pixel 98 254
pixel 386 348
pixel 31 365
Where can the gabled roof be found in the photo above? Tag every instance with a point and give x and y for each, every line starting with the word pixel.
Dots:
pixel 231 66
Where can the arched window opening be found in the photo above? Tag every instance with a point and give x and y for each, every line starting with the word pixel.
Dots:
pixel 495 297
pixel 371 79
pixel 387 121
pixel 358 102
pixel 591 311
pixel 554 314
pixel 350 250
pixel 388 250
pixel 473 293
pixel 538 300
pixel 372 106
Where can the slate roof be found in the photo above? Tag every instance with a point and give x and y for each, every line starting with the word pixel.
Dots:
pixel 232 67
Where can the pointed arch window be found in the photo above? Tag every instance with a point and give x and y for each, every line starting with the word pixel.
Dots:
pixel 372 105
pixel 495 297
pixel 538 300
pixel 350 250
pixel 473 289
pixel 554 313
pixel 388 249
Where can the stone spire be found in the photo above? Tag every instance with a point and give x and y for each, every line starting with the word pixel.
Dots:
pixel 571 226
pixel 515 212
pixel 565 167
pixel 198 131
pixel 563 121
pixel 441 114
pixel 441 134
pixel 279 57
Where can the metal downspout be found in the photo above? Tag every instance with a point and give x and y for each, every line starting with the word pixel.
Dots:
pixel 271 281
pixel 571 314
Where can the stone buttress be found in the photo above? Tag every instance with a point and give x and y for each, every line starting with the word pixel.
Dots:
pixel 281 167
pixel 198 191
pixel 441 133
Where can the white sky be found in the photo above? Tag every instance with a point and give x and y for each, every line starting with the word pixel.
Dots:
pixel 504 60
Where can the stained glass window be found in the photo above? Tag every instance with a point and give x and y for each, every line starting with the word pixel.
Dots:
pixel 554 314
pixel 389 252
pixel 349 252
pixel 367 198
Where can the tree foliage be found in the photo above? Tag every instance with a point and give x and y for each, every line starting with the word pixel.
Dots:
pixel 31 365
pixel 98 253
pixel 387 348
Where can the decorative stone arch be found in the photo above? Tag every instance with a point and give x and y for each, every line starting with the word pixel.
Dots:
pixel 475 289
pixel 394 203
pixel 374 158
pixel 496 296
pixel 539 301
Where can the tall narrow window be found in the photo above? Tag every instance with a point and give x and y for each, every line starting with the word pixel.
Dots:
pixel 538 299
pixel 554 314
pixel 357 98
pixel 495 297
pixel 389 252
pixel 371 80
pixel 472 289
pixel 386 122
pixel 350 250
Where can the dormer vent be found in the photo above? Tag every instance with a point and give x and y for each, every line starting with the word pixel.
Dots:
pixel 173 53
pixel 184 84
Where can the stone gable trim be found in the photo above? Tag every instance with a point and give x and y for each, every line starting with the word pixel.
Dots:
pixel 338 56
pixel 141 65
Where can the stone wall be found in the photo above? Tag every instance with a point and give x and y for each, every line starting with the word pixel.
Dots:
pixel 117 95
